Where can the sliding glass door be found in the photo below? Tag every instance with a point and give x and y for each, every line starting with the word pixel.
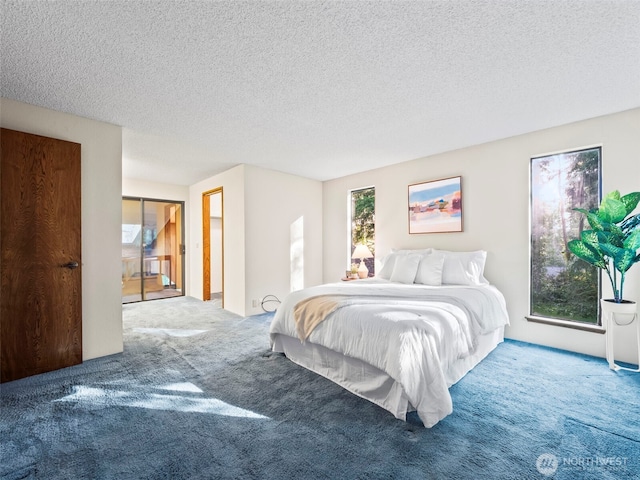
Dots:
pixel 152 249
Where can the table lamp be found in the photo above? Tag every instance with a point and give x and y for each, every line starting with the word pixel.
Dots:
pixel 362 252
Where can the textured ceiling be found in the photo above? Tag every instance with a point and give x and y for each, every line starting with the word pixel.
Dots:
pixel 316 88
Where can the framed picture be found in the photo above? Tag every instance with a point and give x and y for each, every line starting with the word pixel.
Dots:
pixel 436 206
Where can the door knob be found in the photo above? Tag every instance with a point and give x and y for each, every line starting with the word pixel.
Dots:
pixel 71 265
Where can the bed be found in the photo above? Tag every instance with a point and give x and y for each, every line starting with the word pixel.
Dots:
pixel 399 340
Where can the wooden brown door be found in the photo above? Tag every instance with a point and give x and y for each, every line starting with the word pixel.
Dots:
pixel 40 269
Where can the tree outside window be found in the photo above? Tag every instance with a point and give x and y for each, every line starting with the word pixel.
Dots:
pixel 562 286
pixel 363 223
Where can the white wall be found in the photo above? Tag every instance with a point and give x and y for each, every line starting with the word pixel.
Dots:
pixel 259 208
pixel 215 224
pixel 495 187
pixel 277 206
pixel 101 215
pixel 132 187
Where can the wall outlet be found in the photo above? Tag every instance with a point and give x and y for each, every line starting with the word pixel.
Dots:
pixel 255 303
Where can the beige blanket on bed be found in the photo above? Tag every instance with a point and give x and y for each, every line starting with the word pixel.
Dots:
pixel 309 313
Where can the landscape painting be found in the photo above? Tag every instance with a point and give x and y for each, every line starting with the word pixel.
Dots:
pixel 436 206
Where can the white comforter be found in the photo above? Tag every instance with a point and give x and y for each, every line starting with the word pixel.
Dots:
pixel 414 336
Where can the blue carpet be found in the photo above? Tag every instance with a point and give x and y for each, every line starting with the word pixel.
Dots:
pixel 197 395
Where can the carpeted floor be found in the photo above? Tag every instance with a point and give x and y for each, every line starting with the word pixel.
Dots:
pixel 196 394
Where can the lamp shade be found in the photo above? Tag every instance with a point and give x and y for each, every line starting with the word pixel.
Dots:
pixel 361 251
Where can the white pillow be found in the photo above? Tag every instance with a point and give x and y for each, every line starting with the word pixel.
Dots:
pixel 464 268
pixel 405 268
pixel 430 269
pixel 390 260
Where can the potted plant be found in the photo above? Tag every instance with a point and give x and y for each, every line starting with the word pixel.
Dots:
pixel 612 244
pixel 354 270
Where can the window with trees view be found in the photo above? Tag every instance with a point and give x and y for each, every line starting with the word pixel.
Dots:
pixel 563 286
pixel 363 210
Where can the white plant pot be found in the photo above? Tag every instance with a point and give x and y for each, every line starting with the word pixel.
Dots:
pixel 621 313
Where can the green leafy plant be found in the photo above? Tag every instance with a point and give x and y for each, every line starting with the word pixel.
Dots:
pixel 614 239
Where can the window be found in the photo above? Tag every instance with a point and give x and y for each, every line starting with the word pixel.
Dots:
pixel 152 254
pixel 562 286
pixel 363 213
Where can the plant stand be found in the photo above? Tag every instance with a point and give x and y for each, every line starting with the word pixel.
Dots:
pixel 615 314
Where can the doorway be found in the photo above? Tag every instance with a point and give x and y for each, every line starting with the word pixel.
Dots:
pixel 213 246
pixel 152 249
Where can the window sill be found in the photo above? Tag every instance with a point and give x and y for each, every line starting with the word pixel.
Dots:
pixel 566 323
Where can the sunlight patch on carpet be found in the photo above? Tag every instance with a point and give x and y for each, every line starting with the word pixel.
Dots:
pixel 172 332
pixel 181 387
pixel 118 398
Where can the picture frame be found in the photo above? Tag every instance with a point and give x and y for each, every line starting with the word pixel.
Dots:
pixel 435 206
